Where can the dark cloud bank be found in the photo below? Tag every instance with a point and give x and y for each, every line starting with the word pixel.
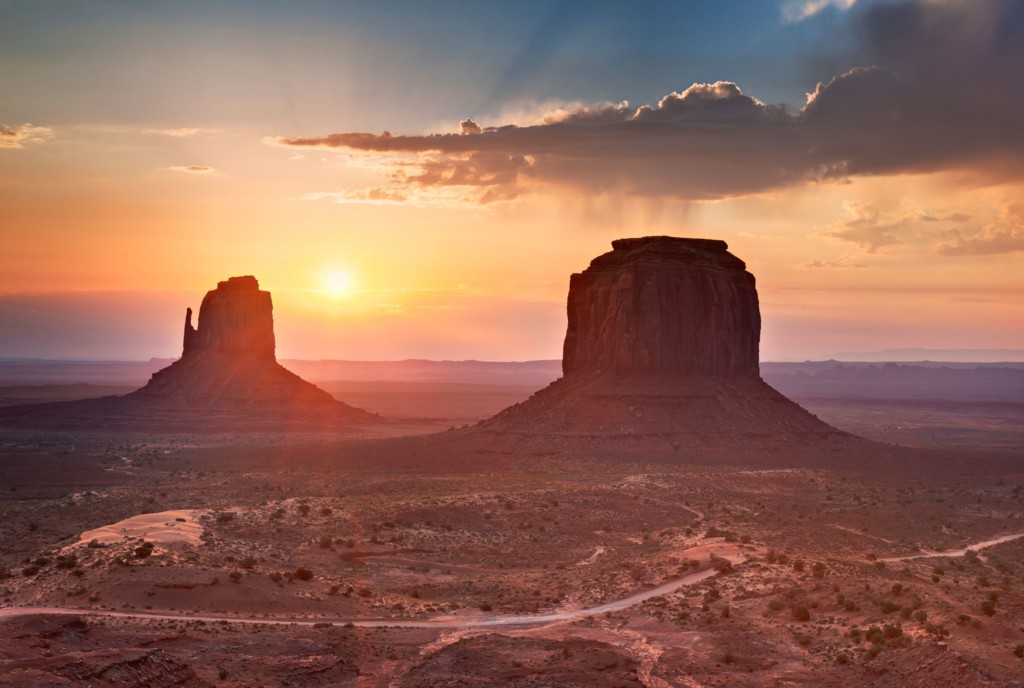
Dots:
pixel 942 88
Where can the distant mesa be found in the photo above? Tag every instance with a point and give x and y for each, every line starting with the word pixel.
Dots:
pixel 227 379
pixel 228 361
pixel 661 350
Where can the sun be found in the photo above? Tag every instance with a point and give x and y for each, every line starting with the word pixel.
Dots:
pixel 338 282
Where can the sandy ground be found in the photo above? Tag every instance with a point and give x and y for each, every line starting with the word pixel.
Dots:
pixel 163 528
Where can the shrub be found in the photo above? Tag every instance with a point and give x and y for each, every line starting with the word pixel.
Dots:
pixel 801 614
pixel 988 607
pixel 798 565
pixel 235 576
pixel 226 517
pixel 325 542
pixel 303 574
pixel 67 561
pixel 1018 651
pixel 248 562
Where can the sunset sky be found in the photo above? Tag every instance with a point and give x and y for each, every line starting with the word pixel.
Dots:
pixel 419 179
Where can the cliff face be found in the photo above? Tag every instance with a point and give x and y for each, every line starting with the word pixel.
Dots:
pixel 236 318
pixel 663 305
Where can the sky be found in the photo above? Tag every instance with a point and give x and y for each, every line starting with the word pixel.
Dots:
pixel 419 180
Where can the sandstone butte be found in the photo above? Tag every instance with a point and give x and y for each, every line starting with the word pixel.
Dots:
pixel 661 351
pixel 228 362
pixel 227 379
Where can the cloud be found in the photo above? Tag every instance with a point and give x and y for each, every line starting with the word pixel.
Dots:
pixel 1005 234
pixel 180 132
pixel 939 91
pixel 26 133
pixel 799 10
pixel 840 264
pixel 424 197
pixel 872 228
pixel 193 169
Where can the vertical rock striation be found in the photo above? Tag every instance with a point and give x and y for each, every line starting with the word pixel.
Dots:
pixel 663 305
pixel 236 319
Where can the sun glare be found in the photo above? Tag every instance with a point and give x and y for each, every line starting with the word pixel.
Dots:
pixel 338 282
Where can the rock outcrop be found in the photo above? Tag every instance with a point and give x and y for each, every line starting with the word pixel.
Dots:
pixel 235 319
pixel 666 306
pixel 661 351
pixel 228 364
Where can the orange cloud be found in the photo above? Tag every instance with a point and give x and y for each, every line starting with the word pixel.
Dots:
pixel 26 133
pixel 193 169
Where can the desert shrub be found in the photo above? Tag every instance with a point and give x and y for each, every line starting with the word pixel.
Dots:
pixel 842 658
pixel 818 569
pixel 1018 651
pixel 897 588
pixel 988 607
pixel 276 576
pixel 235 576
pixel 801 613
pixel 30 570
pixel 718 532
pixel 921 615
pixel 304 509
pixel 325 542
pixel 226 517
pixel 937 630
pixel 798 565
pixel 67 561
pixel 888 606
pixel 326 511
pixel 364 592
pixel 303 574
pixel 485 607
pixel 248 562
pixel 144 550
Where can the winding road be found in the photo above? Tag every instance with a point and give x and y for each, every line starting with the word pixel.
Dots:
pixel 476 620
pixel 480 620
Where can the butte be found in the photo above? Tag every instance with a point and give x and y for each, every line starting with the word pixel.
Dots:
pixel 660 362
pixel 661 352
pixel 227 379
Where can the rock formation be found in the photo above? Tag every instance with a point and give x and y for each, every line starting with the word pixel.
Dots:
pixel 235 319
pixel 661 350
pixel 228 364
pixel 663 305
